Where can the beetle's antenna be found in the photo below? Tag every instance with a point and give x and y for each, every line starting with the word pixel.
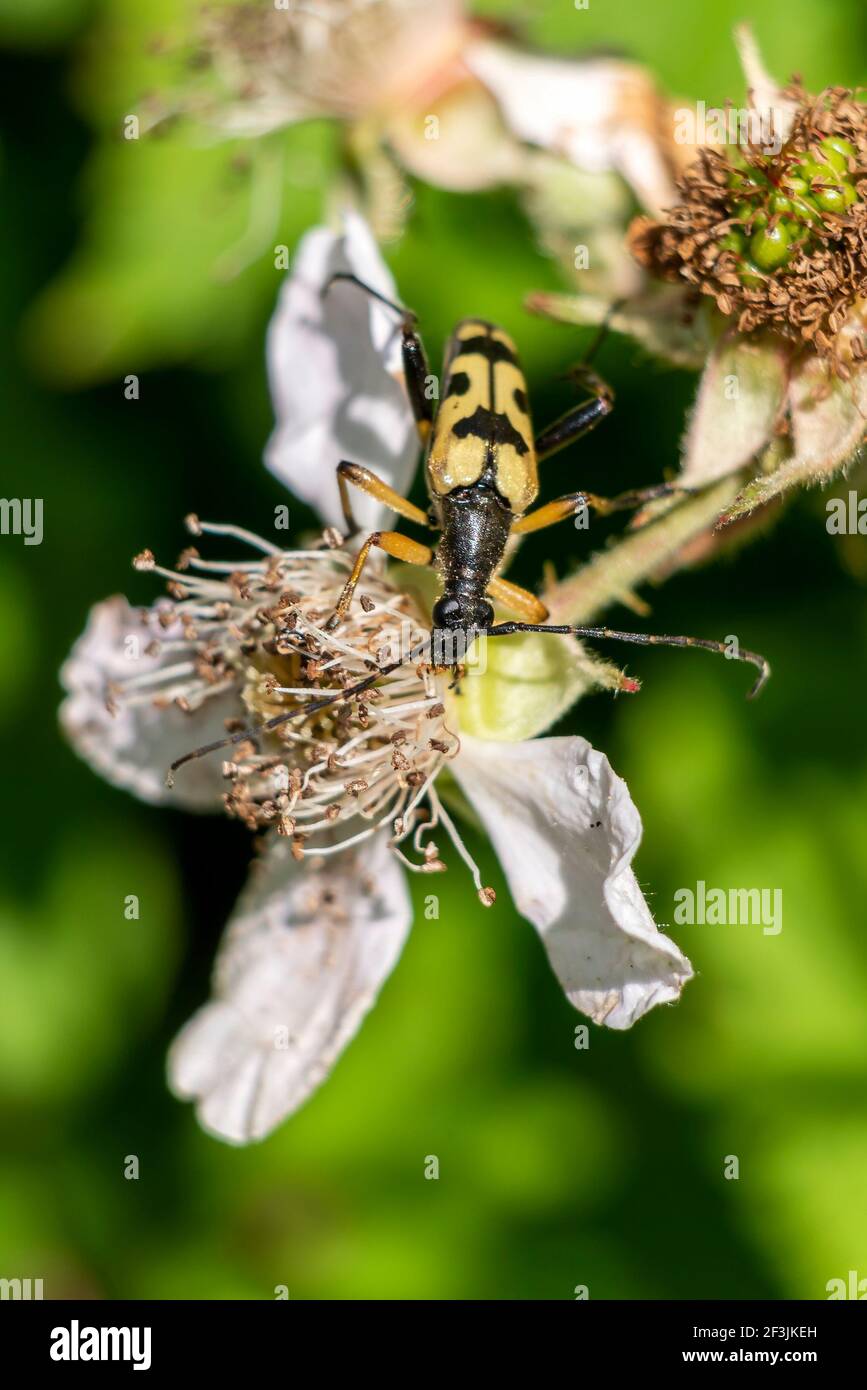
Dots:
pixel 309 707
pixel 645 639
pixel 351 279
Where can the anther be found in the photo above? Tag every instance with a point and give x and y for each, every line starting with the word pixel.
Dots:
pixel 185 557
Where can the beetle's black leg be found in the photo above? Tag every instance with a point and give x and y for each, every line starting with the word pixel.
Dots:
pixel 581 418
pixel 418 379
pixel 415 363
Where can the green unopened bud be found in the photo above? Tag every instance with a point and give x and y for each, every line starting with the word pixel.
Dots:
pixel 750 182
pixel 751 215
pixel 838 152
pixel 734 240
pixel 832 199
pixel 769 247
pixel 794 184
pixel 811 170
pixel 806 207
pixel 750 276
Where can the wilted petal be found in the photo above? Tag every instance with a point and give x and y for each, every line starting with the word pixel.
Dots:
pixel 303 959
pixel 460 143
pixel 566 831
pixel 601 113
pixel 829 423
pixel 347 59
pixel 133 746
pixel 739 399
pixel 334 363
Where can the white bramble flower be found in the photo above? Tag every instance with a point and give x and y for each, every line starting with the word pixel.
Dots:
pixel 350 794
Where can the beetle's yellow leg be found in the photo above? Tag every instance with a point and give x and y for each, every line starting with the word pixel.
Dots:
pixel 368 482
pixel 564 507
pixel 394 544
pixel 518 600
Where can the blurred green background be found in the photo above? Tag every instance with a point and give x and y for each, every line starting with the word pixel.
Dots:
pixel 558 1167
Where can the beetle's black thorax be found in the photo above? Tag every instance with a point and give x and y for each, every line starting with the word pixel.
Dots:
pixel 475 523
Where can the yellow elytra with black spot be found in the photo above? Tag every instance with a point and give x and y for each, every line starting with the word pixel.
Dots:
pixel 482 432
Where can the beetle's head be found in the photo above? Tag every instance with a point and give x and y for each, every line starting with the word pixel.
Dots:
pixel 456 621
pixel 462 613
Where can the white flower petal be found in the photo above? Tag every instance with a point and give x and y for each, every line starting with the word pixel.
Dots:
pixel 600 113
pixel 334 363
pixel 133 747
pixel 566 830
pixel 740 396
pixel 302 962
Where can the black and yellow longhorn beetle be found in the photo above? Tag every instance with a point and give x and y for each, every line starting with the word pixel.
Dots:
pixel 481 463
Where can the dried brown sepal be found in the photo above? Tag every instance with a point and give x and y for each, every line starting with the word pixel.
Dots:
pixel 807 299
